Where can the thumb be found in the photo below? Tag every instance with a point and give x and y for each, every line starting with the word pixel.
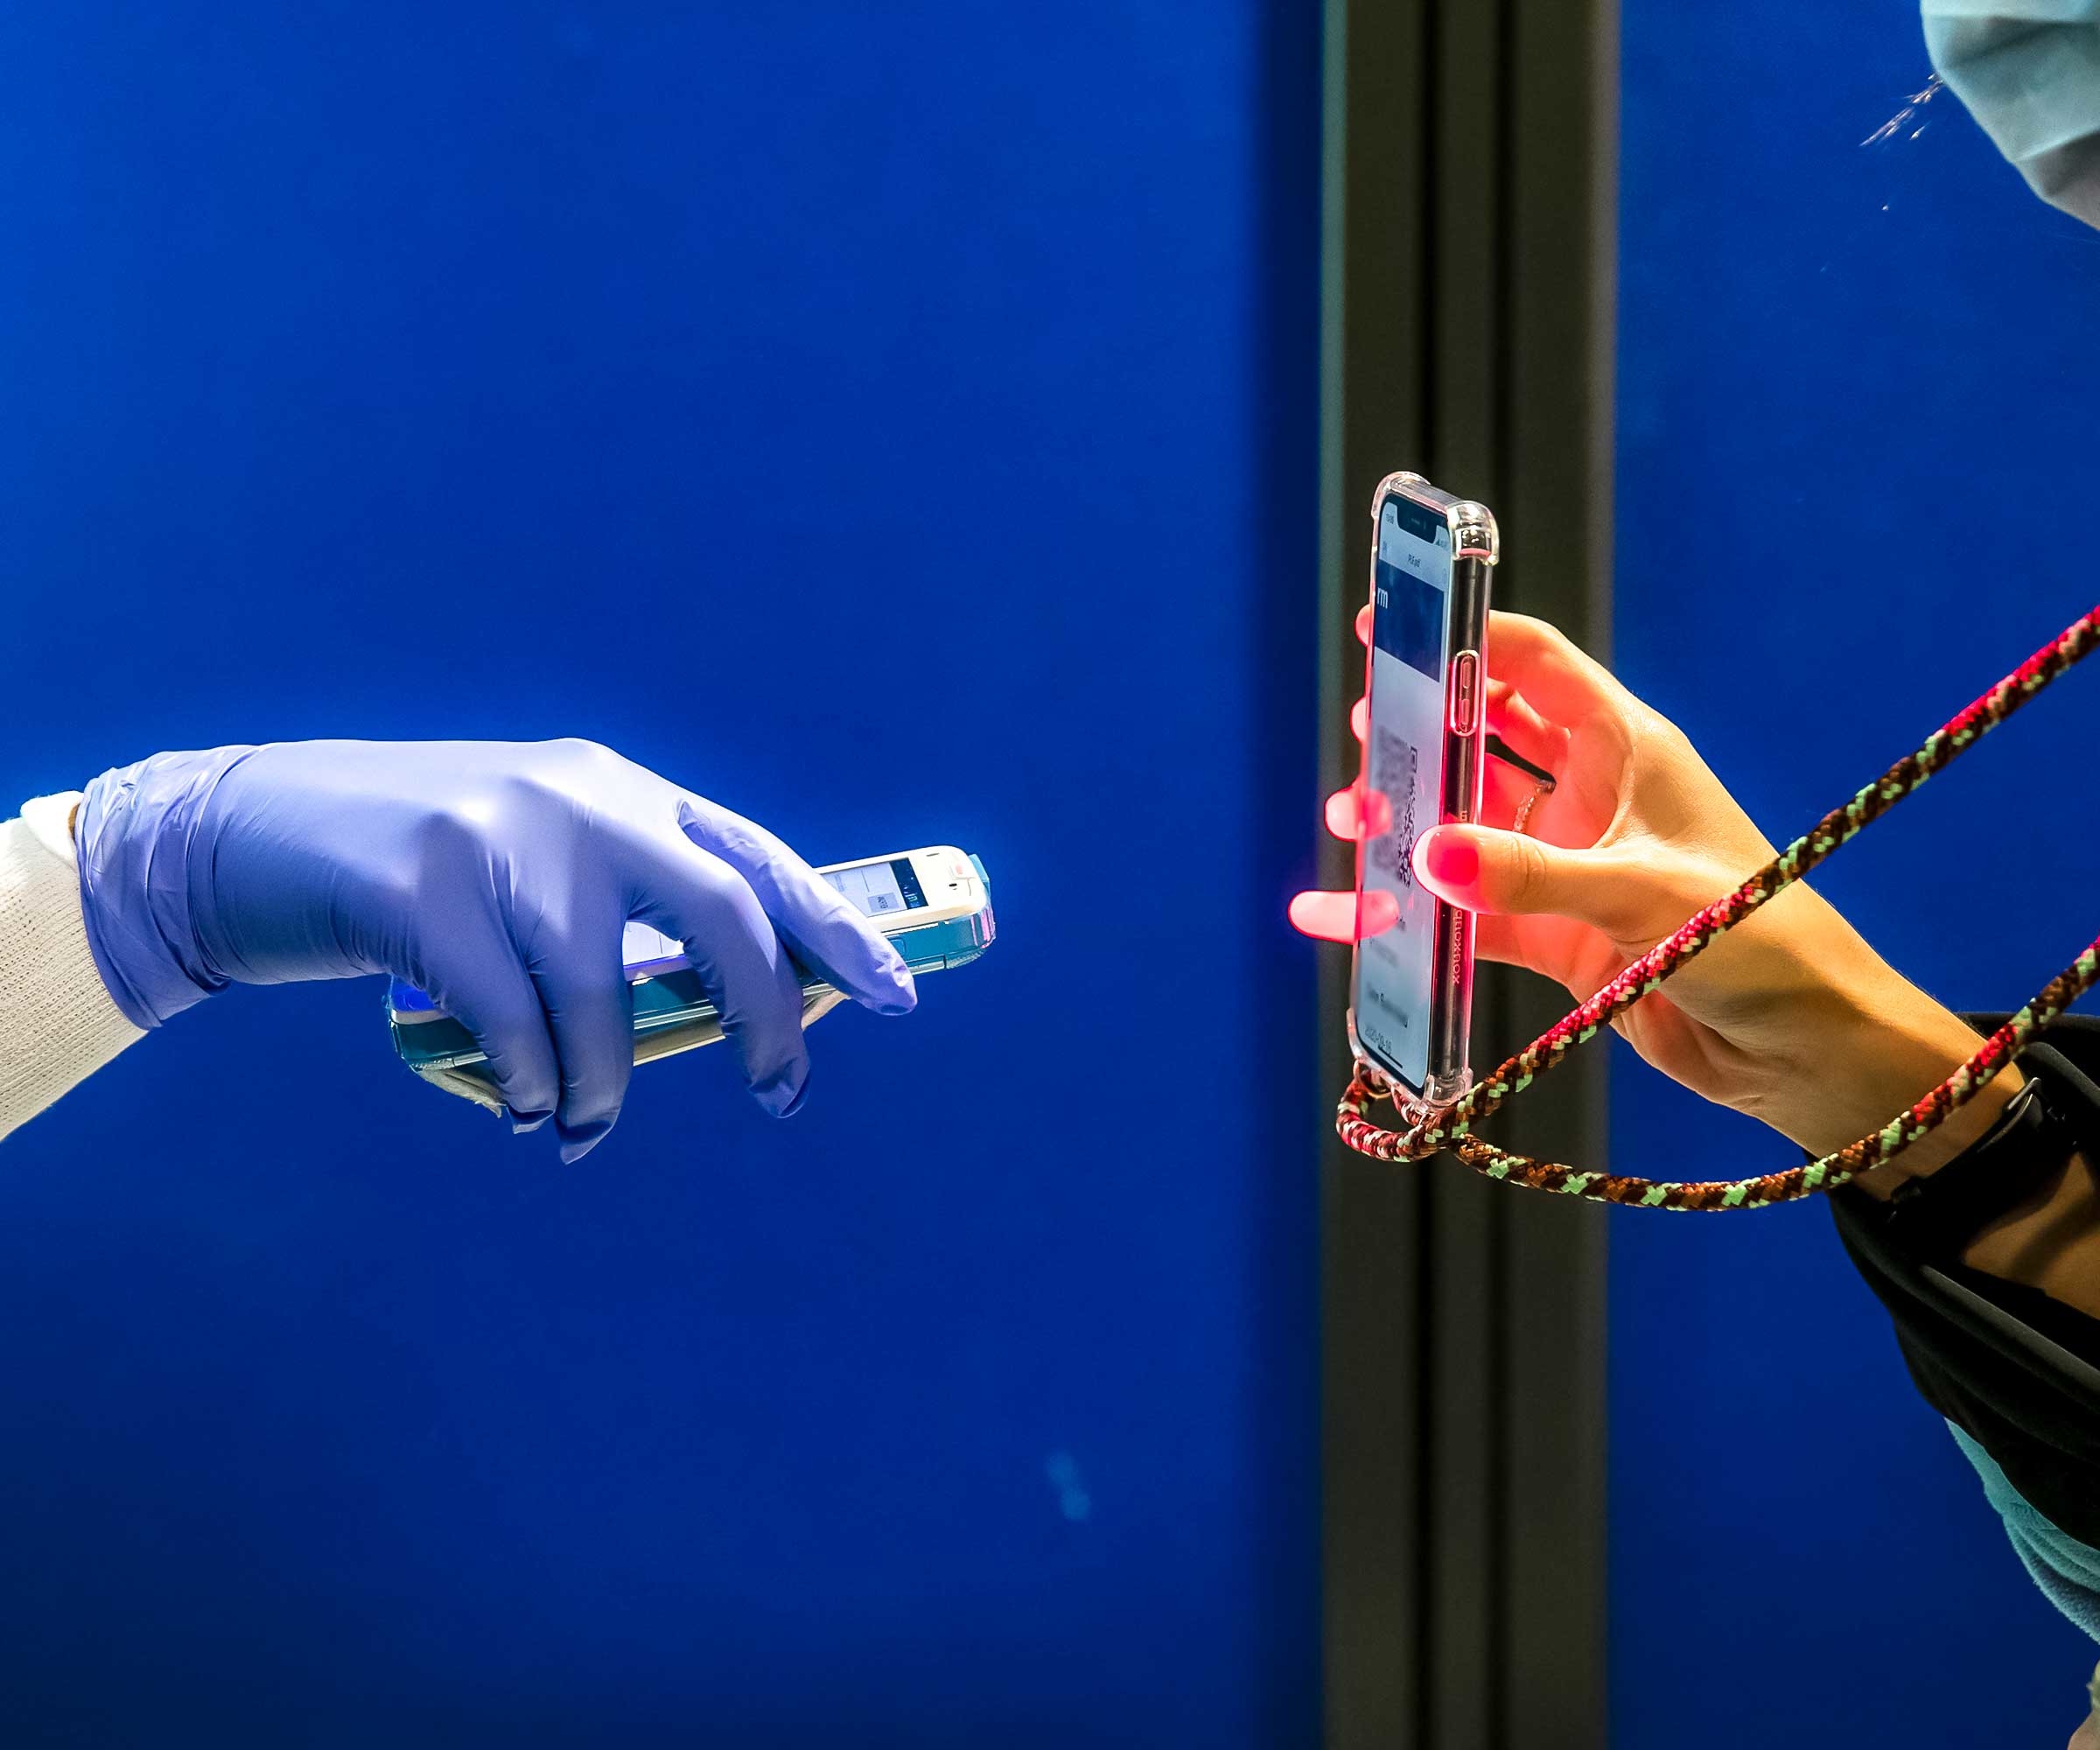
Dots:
pixel 1483 869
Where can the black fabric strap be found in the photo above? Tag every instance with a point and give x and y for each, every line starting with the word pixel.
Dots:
pixel 1979 1357
pixel 1934 1218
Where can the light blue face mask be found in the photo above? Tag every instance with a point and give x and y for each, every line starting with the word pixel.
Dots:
pixel 2029 71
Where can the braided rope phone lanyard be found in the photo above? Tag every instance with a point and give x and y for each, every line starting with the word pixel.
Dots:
pixel 1450 1127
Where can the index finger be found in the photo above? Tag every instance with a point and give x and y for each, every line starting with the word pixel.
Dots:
pixel 1544 664
pixel 826 930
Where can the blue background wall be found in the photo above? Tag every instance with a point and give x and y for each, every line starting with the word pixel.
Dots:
pixel 1899 341
pixel 897 424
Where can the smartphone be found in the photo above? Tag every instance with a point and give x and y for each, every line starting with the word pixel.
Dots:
pixel 934 904
pixel 1410 989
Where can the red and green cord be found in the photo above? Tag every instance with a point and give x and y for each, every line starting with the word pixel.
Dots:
pixel 1450 1127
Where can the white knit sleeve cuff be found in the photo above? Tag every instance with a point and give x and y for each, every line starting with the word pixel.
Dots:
pixel 50 819
pixel 58 1024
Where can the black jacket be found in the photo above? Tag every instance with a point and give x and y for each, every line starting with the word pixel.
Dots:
pixel 2018 1371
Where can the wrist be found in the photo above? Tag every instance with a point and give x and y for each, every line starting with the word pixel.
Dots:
pixel 135 832
pixel 1839 1045
pixel 1899 1045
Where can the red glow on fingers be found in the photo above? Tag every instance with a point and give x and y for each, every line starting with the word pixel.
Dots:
pixel 1448 862
pixel 1363 626
pixel 1326 917
pixel 1332 917
pixel 1356 813
pixel 1359 719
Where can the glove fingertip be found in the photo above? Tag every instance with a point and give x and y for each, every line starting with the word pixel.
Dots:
pixel 887 986
pixel 782 1093
pixel 578 1140
pixel 870 971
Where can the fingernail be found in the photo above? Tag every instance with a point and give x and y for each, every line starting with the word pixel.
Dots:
pixel 520 1127
pixel 1447 860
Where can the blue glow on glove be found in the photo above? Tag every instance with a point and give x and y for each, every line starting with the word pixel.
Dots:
pixel 497 876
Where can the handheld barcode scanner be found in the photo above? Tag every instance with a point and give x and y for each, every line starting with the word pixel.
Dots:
pixel 934 904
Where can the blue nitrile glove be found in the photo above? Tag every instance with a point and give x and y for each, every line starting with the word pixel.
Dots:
pixel 497 876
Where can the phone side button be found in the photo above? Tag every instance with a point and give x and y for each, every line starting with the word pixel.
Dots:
pixel 1465 692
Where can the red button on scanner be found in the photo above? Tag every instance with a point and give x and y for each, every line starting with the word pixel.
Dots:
pixel 1465 692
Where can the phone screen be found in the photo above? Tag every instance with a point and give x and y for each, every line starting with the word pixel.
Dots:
pixel 1411 622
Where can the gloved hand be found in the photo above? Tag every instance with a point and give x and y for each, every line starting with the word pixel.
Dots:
pixel 496 876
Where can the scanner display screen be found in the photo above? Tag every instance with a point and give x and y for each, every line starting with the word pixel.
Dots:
pixel 880 888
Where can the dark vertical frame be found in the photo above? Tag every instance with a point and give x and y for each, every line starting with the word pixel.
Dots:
pixel 1469 246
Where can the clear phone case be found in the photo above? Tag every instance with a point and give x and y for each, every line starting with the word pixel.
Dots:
pixel 1476 550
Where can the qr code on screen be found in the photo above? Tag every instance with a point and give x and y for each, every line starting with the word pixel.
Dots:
pixel 1394 764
